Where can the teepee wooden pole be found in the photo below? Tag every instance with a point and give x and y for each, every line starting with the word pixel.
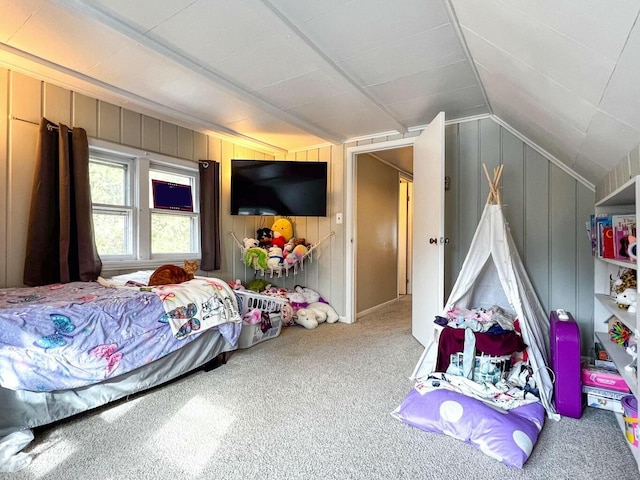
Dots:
pixel 494 190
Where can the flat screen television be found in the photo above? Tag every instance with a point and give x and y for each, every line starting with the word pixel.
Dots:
pixel 278 187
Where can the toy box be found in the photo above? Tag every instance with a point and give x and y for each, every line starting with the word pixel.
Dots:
pixel 603 378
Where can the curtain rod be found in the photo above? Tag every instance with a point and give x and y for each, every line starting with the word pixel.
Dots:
pixel 50 126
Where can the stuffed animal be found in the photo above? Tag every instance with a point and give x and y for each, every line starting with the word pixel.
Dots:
pixel 632 350
pixel 264 236
pixel 627 299
pixel 315 314
pixel 299 251
pixel 256 258
pixel 301 297
pixel 283 228
pixel 258 285
pixel 289 259
pixel 250 243
pixel 306 318
pixel 287 314
pixel 278 240
pixel 324 312
pixel 627 279
pixel 275 258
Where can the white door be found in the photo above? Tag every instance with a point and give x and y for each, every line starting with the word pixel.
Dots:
pixel 428 229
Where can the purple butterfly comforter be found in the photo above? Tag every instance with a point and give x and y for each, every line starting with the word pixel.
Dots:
pixel 60 337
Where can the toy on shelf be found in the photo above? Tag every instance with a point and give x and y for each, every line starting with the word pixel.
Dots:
pixel 275 250
pixel 620 334
pixel 626 290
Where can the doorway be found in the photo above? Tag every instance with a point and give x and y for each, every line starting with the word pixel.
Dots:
pixel 381 218
pixel 428 224
pixel 397 157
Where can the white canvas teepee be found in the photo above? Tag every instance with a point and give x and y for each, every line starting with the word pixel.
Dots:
pixel 493 274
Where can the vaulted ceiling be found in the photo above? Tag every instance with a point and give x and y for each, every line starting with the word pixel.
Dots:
pixel 285 75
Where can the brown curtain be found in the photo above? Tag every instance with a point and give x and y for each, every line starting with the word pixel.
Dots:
pixel 61 246
pixel 210 215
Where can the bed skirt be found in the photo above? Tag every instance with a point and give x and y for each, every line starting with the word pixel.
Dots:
pixel 20 410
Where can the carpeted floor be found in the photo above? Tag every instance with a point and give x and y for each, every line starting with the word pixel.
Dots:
pixel 310 404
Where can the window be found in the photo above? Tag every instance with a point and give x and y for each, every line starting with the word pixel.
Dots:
pixel 128 229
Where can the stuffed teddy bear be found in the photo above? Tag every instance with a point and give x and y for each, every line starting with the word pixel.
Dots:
pixel 250 243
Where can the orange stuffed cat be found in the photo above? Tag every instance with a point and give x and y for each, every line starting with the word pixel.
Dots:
pixel 168 274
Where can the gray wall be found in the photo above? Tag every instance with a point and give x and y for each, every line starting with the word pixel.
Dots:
pixel 545 207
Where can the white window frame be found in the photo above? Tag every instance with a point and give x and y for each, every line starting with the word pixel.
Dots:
pixel 141 162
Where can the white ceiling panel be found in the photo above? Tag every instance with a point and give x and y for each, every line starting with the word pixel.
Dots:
pixel 301 90
pixel 79 45
pixel 426 50
pixel 587 168
pixel 450 77
pixel 600 25
pixel 363 25
pixel 210 32
pixel 143 14
pixel 455 101
pixel 622 97
pixel 608 140
pixel 20 12
pixel 570 63
pixel 290 74
pixel 501 72
pixel 265 63
pixel 275 132
pixel 540 127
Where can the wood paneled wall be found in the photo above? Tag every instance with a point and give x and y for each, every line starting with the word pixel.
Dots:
pixel 545 207
pixel 25 100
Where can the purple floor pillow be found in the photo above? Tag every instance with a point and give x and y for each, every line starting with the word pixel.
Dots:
pixel 506 435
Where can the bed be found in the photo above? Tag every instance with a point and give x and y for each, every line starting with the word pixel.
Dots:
pixel 68 348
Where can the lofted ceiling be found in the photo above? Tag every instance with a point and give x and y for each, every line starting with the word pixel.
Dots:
pixel 285 75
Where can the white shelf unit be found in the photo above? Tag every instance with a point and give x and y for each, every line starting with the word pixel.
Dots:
pixel 625 199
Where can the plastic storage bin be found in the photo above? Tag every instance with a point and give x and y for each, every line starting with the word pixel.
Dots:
pixel 630 416
pixel 252 334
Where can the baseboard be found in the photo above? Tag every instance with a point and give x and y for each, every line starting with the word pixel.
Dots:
pixel 377 307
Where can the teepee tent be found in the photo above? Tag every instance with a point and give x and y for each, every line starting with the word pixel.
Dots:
pixel 493 274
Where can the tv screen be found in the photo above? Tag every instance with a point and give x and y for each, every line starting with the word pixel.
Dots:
pixel 278 187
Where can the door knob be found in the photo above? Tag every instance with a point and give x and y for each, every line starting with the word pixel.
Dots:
pixel 433 240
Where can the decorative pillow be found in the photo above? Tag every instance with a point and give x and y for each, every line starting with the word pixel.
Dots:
pixel 506 435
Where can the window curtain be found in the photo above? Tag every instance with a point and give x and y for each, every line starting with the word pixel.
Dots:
pixel 61 245
pixel 209 215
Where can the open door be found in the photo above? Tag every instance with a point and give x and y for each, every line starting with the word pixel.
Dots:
pixel 428 229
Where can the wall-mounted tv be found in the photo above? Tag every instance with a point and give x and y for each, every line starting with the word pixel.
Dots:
pixel 278 187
